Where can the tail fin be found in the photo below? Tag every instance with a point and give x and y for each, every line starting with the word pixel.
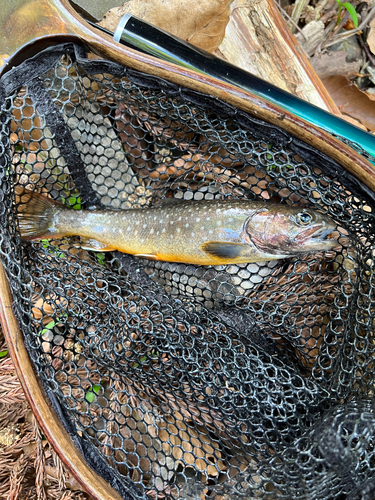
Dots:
pixel 36 215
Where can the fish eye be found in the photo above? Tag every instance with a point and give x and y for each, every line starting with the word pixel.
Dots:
pixel 304 218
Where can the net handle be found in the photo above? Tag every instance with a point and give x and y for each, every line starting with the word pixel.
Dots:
pixel 29 25
pixel 46 416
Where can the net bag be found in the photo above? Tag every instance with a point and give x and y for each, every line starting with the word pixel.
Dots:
pixel 178 381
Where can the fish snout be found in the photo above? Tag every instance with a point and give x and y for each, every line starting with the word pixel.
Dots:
pixel 315 237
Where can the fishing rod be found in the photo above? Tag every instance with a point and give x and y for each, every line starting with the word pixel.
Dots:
pixel 144 37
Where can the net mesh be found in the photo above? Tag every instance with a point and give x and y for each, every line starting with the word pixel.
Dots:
pixel 189 382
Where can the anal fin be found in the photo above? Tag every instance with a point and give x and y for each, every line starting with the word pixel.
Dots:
pixel 149 256
pixel 95 245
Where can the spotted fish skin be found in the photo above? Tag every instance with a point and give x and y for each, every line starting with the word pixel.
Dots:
pixel 205 232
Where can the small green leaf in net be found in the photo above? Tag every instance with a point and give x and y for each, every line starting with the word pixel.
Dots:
pixel 3 353
pixel 48 327
pixel 90 396
pixel 101 258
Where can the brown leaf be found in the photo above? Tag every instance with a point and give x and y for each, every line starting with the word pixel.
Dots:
pixel 201 23
pixel 351 101
pixel 334 63
pixel 371 37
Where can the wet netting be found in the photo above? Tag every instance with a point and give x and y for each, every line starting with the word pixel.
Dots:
pixel 178 381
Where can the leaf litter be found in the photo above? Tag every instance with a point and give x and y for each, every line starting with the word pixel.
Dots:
pixel 29 468
pixel 339 38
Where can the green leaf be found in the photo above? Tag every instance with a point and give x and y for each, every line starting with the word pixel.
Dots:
pixel 101 258
pixel 90 396
pixel 3 353
pixel 52 249
pixel 339 14
pixel 48 327
pixel 353 14
pixel 73 201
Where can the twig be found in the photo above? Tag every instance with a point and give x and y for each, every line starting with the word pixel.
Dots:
pixel 369 55
pixel 344 36
pixel 40 460
pixel 299 6
pixel 17 478
pixel 287 16
pixel 327 32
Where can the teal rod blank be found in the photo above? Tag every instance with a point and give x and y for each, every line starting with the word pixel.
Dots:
pixel 146 38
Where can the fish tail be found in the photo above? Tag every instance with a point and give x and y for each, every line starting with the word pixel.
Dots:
pixel 37 216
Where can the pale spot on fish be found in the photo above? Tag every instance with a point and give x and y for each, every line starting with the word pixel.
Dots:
pixel 144 225
pixel 163 230
pixel 210 231
pixel 178 229
pixel 231 219
pixel 198 219
pixel 193 234
pixel 152 231
pixel 186 225
pixel 179 218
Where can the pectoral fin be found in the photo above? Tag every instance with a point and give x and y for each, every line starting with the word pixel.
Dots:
pixel 224 250
pixel 95 245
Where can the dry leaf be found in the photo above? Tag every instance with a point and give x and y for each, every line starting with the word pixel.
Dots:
pixel 334 63
pixel 370 92
pixel 351 101
pixel 371 37
pixel 201 23
pixel 71 481
pixel 354 122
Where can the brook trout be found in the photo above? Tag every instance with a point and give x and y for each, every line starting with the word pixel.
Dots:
pixel 205 232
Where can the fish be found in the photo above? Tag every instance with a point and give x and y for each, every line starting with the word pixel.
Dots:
pixel 200 232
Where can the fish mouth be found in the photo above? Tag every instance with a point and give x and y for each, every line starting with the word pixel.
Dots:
pixel 316 238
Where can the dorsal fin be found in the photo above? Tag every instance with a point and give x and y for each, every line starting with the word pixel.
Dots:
pixel 169 202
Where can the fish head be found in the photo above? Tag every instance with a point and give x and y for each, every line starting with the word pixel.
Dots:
pixel 289 231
